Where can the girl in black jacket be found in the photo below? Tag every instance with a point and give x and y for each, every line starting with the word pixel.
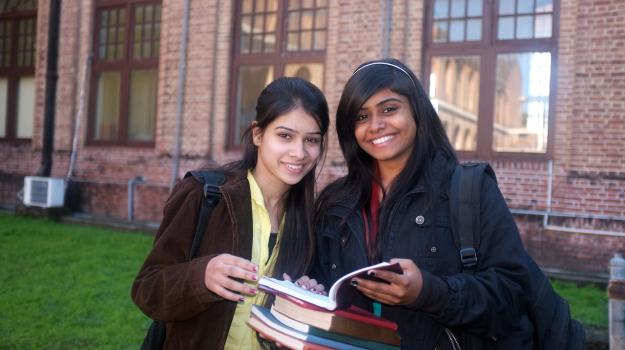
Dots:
pixel 393 206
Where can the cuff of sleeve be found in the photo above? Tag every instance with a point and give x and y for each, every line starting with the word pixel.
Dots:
pixel 433 296
pixel 198 288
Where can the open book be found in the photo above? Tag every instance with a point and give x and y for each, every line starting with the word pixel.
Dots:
pixel 340 295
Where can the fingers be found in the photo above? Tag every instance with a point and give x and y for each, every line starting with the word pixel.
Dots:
pixel 233 267
pixel 286 277
pixel 221 274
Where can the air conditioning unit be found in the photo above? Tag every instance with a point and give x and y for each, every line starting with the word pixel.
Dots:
pixel 44 192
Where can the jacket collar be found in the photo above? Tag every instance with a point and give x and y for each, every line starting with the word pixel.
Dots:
pixel 237 197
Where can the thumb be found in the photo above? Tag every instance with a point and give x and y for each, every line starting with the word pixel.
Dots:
pixel 286 277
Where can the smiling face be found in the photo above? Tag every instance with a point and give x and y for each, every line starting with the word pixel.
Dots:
pixel 288 148
pixel 385 128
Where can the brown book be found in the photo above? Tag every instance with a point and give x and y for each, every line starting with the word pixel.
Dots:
pixel 352 321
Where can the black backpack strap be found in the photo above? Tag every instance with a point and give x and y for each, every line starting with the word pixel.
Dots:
pixel 464 204
pixel 211 181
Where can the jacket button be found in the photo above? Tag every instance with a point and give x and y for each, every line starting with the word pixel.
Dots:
pixel 433 249
pixel 333 267
pixel 419 220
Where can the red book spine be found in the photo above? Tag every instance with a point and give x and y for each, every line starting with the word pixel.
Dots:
pixel 352 312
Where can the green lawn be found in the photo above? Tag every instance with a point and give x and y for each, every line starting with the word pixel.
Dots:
pixel 66 286
pixel 589 304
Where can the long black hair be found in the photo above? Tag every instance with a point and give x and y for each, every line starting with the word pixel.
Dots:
pixel 296 242
pixel 368 79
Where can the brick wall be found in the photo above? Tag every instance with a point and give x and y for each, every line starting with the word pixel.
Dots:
pixel 588 163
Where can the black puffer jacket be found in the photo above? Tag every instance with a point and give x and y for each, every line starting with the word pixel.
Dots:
pixel 485 303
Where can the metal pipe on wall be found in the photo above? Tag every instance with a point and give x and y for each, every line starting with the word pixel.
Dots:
pixel 182 73
pixel 547 213
pixel 54 22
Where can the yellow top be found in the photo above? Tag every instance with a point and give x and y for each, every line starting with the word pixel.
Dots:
pixel 240 335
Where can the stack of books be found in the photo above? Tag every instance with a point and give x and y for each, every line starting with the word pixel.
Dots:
pixel 300 319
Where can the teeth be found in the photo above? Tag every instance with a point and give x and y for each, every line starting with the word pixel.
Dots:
pixel 294 167
pixel 381 140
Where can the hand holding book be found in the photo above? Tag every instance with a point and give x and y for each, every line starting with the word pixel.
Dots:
pixel 398 289
pixel 340 294
pixel 307 283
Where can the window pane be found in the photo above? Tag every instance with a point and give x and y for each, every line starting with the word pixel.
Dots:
pixel 270 23
pixel 522 102
pixel 456 31
pixel 307 19
pixel 294 20
pixel 525 6
pixel 272 5
pixel 270 42
pixel 439 32
pixel 320 40
pixel 5 43
pixel 475 8
pixel 457 8
pixel 543 26
pixel 474 29
pixel 524 27
pixel 4 91
pixel 292 42
pixel 25 107
pixel 306 41
pixel 246 7
pixel 251 81
pixel 313 72
pixel 544 5
pixel 441 9
pixel 142 113
pixel 506 7
pixel 320 19
pixel 293 4
pixel 454 91
pixel 107 106
pixel 505 30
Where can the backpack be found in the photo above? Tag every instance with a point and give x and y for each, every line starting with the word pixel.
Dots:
pixel 549 313
pixel 211 180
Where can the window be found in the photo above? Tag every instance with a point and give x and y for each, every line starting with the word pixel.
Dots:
pixel 18 34
pixel 125 72
pixel 273 38
pixel 489 67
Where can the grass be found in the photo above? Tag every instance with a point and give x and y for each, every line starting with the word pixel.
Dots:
pixel 589 304
pixel 66 286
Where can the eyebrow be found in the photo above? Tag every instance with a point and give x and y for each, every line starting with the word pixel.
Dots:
pixel 390 99
pixel 296 131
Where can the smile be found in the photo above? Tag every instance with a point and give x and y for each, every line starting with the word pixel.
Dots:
pixel 294 167
pixel 382 140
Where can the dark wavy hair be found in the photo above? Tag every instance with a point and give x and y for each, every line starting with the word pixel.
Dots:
pixel 430 137
pixel 296 249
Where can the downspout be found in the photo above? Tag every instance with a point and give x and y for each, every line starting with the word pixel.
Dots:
pixel 81 101
pixel 387 7
pixel 182 73
pixel 211 119
pixel 52 76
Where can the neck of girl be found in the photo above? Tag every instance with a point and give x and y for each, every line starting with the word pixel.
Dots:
pixel 273 196
pixel 388 172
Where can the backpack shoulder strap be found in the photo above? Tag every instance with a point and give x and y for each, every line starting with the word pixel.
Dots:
pixel 464 207
pixel 211 181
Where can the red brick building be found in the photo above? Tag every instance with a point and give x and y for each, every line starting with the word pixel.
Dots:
pixel 536 87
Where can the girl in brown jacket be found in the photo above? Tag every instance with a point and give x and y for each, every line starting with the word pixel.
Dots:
pixel 266 201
